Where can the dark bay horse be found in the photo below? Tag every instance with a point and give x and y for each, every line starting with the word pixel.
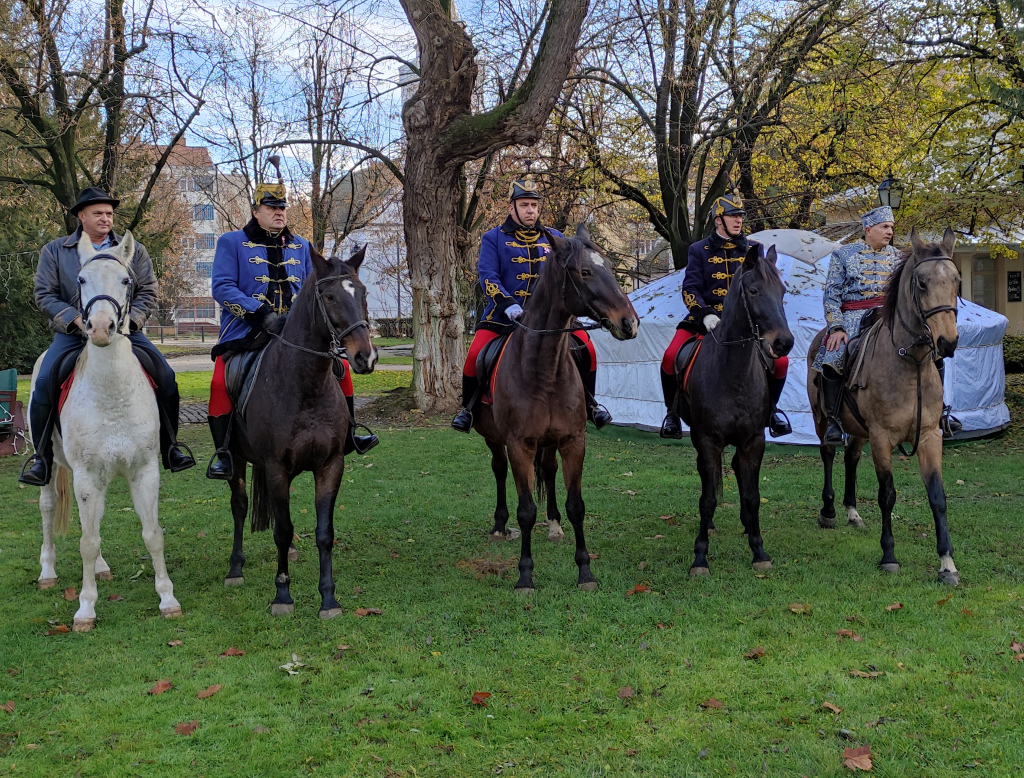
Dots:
pixel 728 396
pixel 539 406
pixel 898 393
pixel 297 419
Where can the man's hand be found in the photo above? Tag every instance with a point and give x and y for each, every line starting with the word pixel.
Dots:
pixel 514 311
pixel 79 323
pixel 711 321
pixel 835 340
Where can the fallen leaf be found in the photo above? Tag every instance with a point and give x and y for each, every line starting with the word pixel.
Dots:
pixel 209 691
pixel 70 594
pixel 631 493
pixel 8 706
pixel 234 652
pixel 642 565
pixel 755 653
pixel 967 611
pixel 186 727
pixel 896 606
pixel 1017 647
pixel 60 629
pixel 849 633
pixel 200 534
pixel 376 757
pixel 801 607
pixel 480 698
pixel 367 611
pixel 1019 658
pixel 638 589
pixel 626 692
pixel 161 686
pixel 292 667
pixel 862 674
pixel 594 556
pixel 630 752
pixel 857 758
pixel 830 706
pixel 945 599
pixel 358 590
pixel 711 702
pixel 174 643
pixel 343 647
pixel 259 729
pixel 115 598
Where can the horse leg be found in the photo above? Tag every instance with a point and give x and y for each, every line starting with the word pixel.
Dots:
pixel 854 448
pixel 277 488
pixel 744 518
pixel 747 464
pixel 327 481
pixel 239 509
pixel 709 466
pixel 103 569
pixel 827 514
pixel 881 453
pixel 48 552
pixel 549 468
pixel 91 496
pixel 521 459
pixel 929 457
pixel 499 466
pixel 144 485
pixel 572 465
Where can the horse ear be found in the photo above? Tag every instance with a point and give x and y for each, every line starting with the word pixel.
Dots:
pixel 125 251
pixel 357 258
pixel 948 241
pixel 753 254
pixel 560 245
pixel 915 240
pixel 772 255
pixel 583 233
pixel 320 265
pixel 86 250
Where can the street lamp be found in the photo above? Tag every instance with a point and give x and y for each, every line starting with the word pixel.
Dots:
pixel 890 192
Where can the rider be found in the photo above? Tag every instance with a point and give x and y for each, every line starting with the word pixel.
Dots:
pixel 257 272
pixel 56 294
pixel 858 275
pixel 711 265
pixel 510 257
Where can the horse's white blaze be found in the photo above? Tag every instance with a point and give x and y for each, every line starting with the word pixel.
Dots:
pixel 349 287
pixel 853 517
pixel 596 258
pixel 946 565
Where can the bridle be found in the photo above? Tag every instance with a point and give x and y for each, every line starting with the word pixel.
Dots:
pixel 120 313
pixel 763 354
pixel 337 350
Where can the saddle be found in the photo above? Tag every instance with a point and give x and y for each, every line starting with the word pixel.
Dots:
pixel 487 367
pixel 240 371
pixel 685 358
pixel 62 376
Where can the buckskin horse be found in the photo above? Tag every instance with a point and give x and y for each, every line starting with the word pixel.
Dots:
pixel 538 406
pixel 725 386
pixel 109 427
pixel 295 419
pixel 893 393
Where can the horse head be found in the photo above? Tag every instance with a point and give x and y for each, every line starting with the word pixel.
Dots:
pixel 105 287
pixel 592 289
pixel 760 291
pixel 341 299
pixel 924 291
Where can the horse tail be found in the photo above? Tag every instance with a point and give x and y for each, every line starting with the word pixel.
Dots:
pixel 261 511
pixel 539 489
pixel 62 517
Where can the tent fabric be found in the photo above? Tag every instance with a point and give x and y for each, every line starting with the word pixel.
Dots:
pixel 629 385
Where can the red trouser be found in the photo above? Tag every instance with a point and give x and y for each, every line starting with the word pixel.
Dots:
pixel 668 362
pixel 483 337
pixel 220 402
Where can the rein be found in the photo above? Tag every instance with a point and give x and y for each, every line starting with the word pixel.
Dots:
pixel 754 337
pixel 600 322
pixel 120 313
pixel 337 350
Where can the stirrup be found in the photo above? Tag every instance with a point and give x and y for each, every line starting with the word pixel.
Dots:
pixel 599 415
pixel 671 427
pixel 25 478
pixel 220 456
pixel 832 441
pixel 463 421
pixel 185 465
pixel 948 423
pixel 362 443
pixel 785 429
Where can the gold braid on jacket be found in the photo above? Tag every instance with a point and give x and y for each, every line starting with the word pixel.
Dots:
pixel 528 237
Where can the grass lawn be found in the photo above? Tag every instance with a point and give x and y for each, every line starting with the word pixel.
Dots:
pixel 378 342
pixel 581 684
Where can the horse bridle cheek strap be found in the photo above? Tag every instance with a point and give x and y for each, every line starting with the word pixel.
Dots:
pixel 120 313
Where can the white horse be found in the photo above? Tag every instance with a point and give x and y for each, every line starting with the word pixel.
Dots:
pixel 110 427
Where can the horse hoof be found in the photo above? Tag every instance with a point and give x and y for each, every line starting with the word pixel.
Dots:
pixel 229 582
pixel 293 555
pixel 282 608
pixel 47 583
pixel 700 572
pixel 825 522
pixel 525 591
pixel 588 586
pixel 83 625
pixel 556 538
pixel 889 567
pixel 106 575
pixel 949 577
pixel 762 566
pixel 497 537
pixel 330 613
pixel 171 613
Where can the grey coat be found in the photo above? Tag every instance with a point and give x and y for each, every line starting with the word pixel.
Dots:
pixel 56 286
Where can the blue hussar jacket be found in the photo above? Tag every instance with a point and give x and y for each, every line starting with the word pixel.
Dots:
pixel 510 264
pixel 248 285
pixel 711 264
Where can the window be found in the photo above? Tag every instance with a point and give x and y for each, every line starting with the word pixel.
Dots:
pixel 983 282
pixel 205 240
pixel 196 308
pixel 202 213
pixel 205 269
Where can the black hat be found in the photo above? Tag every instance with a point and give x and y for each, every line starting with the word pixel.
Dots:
pixel 729 205
pixel 90 196
pixel 274 195
pixel 524 188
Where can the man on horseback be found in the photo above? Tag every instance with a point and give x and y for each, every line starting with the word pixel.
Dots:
pixel 858 277
pixel 510 257
pixel 710 268
pixel 57 295
pixel 257 273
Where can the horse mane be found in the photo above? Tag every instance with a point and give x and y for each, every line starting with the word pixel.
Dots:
pixel 892 292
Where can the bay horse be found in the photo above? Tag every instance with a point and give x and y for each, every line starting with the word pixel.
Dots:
pixel 296 420
pixel 895 392
pixel 727 391
pixel 539 407
pixel 109 426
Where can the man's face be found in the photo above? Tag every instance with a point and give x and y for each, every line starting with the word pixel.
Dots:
pixel 879 235
pixel 97 220
pixel 271 217
pixel 730 224
pixel 526 210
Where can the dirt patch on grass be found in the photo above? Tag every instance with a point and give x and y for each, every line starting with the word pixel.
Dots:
pixel 397 408
pixel 482 568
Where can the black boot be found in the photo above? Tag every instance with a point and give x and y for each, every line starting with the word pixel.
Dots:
pixel 778 424
pixel 176 456
pixel 358 443
pixel 37 469
pixel 832 389
pixel 463 421
pixel 596 412
pixel 671 427
pixel 948 423
pixel 221 463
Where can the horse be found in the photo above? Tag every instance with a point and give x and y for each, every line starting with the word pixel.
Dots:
pixel 727 392
pixel 296 420
pixel 894 394
pixel 109 426
pixel 538 405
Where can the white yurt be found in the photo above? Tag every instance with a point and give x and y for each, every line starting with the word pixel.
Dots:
pixel 629 386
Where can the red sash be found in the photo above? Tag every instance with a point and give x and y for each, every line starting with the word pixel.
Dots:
pixel 862 305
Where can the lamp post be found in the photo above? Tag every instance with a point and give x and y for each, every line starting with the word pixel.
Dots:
pixel 890 192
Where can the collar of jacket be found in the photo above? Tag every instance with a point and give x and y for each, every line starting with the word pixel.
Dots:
pixel 510 226
pixel 74 237
pixel 257 234
pixel 717 242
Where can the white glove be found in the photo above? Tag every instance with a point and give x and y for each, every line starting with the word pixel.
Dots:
pixel 711 321
pixel 514 311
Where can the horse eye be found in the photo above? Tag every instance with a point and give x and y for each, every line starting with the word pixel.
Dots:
pixel 329 297
pixel 125 282
pixel 754 293
pixel 81 280
pixel 585 273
